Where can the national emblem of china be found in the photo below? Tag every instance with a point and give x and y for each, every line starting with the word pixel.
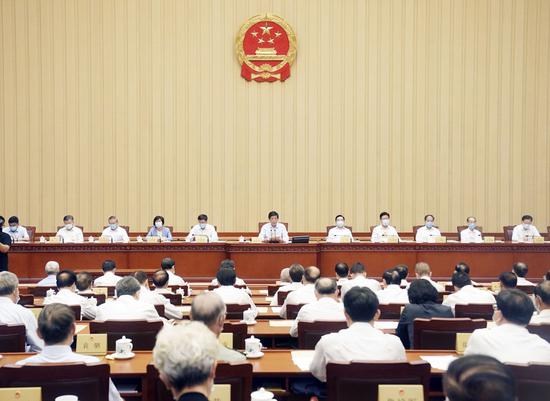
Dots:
pixel 266 48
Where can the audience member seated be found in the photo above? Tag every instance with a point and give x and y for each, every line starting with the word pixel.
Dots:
pixel 109 277
pixel 509 340
pixel 230 264
pixel 479 378
pixel 359 279
pixel 127 305
pixel 160 280
pixel 360 341
pixel 508 280
pixel 403 271
pixel 186 368
pixel 284 276
pixel 209 309
pixel 342 272
pixel 546 276
pixel 423 271
pixel 66 294
pixel 227 290
pixel 56 326
pixel 423 304
pixel 84 283
pixel 305 294
pixel 392 292
pixel 521 270
pixel 327 307
pixel 463 267
pixel 51 269
pixel 169 266
pixel 12 313
pixel 542 302
pixel 296 273
pixel 465 293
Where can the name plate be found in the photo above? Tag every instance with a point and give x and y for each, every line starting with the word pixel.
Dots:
pixel 255 240
pixel 54 240
pixel 495 286
pixel 226 339
pixel 91 344
pixel 152 240
pixel 104 239
pixel 101 291
pixel 538 240
pixel 462 342
pixel 440 240
pixel 400 392
pixel 392 239
pixel 220 392
pixel 489 240
pixel 21 394
pixel 201 239
pixel 345 239
pixel 36 312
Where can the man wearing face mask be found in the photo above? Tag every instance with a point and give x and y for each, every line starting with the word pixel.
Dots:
pixel 340 230
pixel 5 243
pixel 69 232
pixel 381 232
pixel 428 231
pixel 16 231
pixel 526 231
pixel 115 232
pixel 202 229
pixel 471 234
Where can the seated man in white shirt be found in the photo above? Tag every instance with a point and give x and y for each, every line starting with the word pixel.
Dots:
pixel 12 313
pixel 227 290
pixel 160 280
pixel 508 281
pixel 335 234
pixel 16 231
pixel 273 231
pixel 70 233
pixel 326 308
pixel 463 267
pixel 471 234
pixel 127 305
pixel 423 271
pixel 109 277
pixel 465 293
pixel 342 272
pixel 202 229
pixel 169 266
pixel 359 279
pixel 521 271
pixel 542 303
pixel 304 294
pixel 56 326
pixel 510 341
pixel 230 264
pixel 66 294
pixel 392 292
pixel 209 309
pixel 296 273
pixel 381 232
pixel 115 232
pixel 403 271
pixel 84 282
pixel 51 269
pixel 428 231
pixel 526 231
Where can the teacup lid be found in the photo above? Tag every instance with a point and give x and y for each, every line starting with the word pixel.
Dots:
pixel 262 394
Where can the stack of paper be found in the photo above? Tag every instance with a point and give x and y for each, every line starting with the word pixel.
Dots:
pixel 302 359
pixel 385 324
pixel 281 323
pixel 261 309
pixel 440 362
pixel 276 309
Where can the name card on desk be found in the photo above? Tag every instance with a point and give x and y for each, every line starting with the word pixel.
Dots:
pixel 201 239
pixel 495 286
pixel 91 344
pixel 440 240
pixel 100 291
pixel 54 240
pixel 392 239
pixel 538 240
pixel 345 239
pixel 104 240
pixel 489 240
pixel 400 392
pixel 226 339
pixel 462 342
pixel 21 394
pixel 152 240
pixel 220 392
pixel 255 240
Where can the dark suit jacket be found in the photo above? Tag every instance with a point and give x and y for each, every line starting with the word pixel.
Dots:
pixel 193 397
pixel 416 311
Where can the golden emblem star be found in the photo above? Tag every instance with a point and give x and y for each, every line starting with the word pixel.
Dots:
pixel 266 29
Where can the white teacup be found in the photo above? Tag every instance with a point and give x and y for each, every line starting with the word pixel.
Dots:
pixel 262 395
pixel 252 346
pixel 249 315
pixel 124 346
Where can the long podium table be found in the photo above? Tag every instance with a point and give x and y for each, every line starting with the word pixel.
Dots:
pixel 264 261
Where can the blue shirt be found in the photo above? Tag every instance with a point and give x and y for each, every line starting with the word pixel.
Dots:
pixel 165 232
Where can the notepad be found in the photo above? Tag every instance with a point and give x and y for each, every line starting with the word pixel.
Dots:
pixel 263 292
pixel 262 309
pixel 269 298
pixel 302 359
pixel 281 323
pixel 185 308
pixel 440 362
pixel 385 324
pixel 276 309
pixel 79 328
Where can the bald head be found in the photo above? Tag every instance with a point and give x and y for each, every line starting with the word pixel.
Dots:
pixel 285 275
pixel 325 287
pixel 209 308
pixel 311 274
pixel 52 267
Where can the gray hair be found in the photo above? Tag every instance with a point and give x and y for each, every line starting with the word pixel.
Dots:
pixel 326 286
pixel 422 269
pixel 52 267
pixel 127 286
pixel 207 308
pixel 8 283
pixel 285 275
pixel 185 363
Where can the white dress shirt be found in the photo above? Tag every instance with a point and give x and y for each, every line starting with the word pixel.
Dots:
pixel 425 234
pixel 359 281
pixel 438 287
pixel 509 343
pixel 208 231
pixel 49 281
pixel 469 295
pixel 335 233
pixel 471 236
pixel 126 307
pixel 88 306
pixel 268 231
pixel 73 235
pixel 341 281
pixel 234 295
pixel 324 309
pixel 108 279
pixel 285 288
pixel 156 298
pixel 393 294
pixel 359 342
pixel 117 235
pixel 520 234
pixel 174 279
pixel 238 281
pixel 20 234
pixel 381 233
pixel 524 281
pixel 64 354
pixel 543 317
pixel 11 313
pixel 303 295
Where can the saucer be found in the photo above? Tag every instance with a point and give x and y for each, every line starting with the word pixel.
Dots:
pixel 121 356
pixel 249 323
pixel 255 356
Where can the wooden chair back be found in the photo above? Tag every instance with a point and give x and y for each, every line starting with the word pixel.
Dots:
pixel 390 311
pixel 542 330
pixel 292 311
pixel 235 311
pixel 12 338
pixel 239 331
pixel 475 311
pixel 309 333
pixel 532 381
pixel 508 231
pixel 439 333
pixel 142 332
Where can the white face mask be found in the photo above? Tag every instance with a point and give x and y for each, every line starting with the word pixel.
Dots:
pixel 202 226
pixel 526 226
pixel 339 223
pixel 385 222
pixel 158 224
pixel 69 226
pixel 114 226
